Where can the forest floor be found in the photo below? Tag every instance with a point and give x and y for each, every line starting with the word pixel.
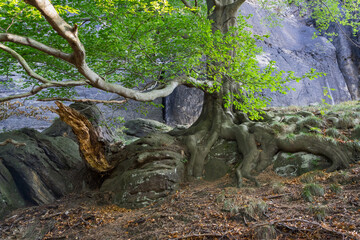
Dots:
pixel 316 205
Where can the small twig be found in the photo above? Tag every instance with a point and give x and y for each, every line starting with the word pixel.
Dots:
pixel 11 141
pixel 277 196
pixel 13 20
pixel 323 226
pixel 200 235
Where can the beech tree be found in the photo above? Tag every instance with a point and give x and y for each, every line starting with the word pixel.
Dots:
pixel 120 46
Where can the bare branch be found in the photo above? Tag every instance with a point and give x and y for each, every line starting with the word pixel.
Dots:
pixel 24 64
pixel 33 74
pixel 27 94
pixel 12 141
pixel 62 28
pixel 8 37
pixel 83 100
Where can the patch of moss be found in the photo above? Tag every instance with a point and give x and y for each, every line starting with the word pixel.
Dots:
pixel 335 188
pixel 319 212
pixel 307 123
pixel 312 190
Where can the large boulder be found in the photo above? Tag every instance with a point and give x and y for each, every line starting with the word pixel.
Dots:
pixel 295 164
pixel 42 170
pixel 149 170
pixel 183 106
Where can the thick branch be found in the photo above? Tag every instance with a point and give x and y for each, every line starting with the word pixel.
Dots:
pixel 70 35
pixel 24 64
pixel 61 27
pixel 236 5
pixel 27 94
pixel 8 37
pixel 83 100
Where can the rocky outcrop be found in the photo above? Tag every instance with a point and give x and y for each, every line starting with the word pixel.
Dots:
pixel 42 170
pixel 149 170
pixel 348 56
pixel 295 164
pixel 293 48
pixel 141 127
pixel 10 197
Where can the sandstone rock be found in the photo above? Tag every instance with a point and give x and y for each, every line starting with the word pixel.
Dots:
pixel 183 106
pixel 295 164
pixel 149 169
pixel 43 170
pixel 142 186
pixel 10 197
pixel 141 127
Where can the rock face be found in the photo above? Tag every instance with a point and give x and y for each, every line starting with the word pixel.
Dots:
pixel 10 197
pixel 38 173
pixel 150 169
pixel 348 57
pixel 293 49
pixel 295 164
pixel 183 106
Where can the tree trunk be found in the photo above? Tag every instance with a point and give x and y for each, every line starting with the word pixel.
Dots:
pixel 256 141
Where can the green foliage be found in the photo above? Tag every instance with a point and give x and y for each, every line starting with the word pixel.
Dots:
pixel 324 12
pixel 130 42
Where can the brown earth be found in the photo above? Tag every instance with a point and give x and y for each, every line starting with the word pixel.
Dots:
pixel 206 210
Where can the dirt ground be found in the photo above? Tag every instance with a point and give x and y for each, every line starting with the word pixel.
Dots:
pixel 282 208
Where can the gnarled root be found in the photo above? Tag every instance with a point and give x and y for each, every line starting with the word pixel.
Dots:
pixel 340 154
pixel 247 146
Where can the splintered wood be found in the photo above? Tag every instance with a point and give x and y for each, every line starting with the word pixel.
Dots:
pixel 93 151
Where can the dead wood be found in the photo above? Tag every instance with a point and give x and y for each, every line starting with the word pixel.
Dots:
pixel 92 150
